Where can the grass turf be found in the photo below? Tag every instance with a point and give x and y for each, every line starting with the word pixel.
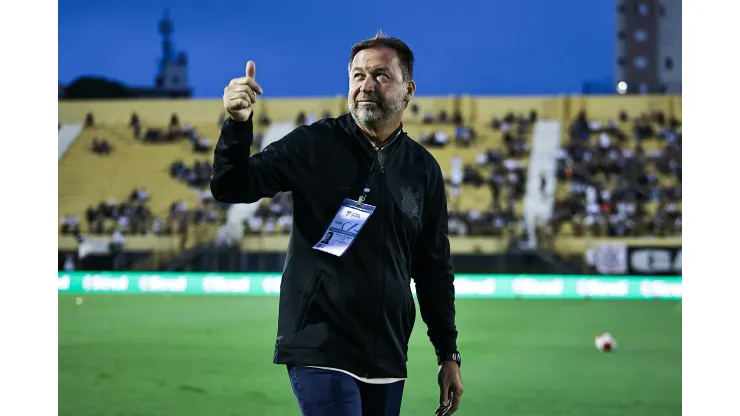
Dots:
pixel 209 355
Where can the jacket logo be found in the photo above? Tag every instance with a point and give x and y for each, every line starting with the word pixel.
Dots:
pixel 408 203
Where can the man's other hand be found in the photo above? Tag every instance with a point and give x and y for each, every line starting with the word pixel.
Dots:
pixel 450 388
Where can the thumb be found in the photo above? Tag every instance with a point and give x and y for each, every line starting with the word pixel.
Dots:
pixel 250 69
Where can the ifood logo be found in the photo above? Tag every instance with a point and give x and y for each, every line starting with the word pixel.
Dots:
pixel 102 283
pixel 535 287
pixel 156 283
pixel 63 283
pixel 465 286
pixel 601 288
pixel 220 284
pixel 271 285
pixel 661 289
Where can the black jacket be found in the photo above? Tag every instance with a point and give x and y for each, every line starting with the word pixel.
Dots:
pixel 353 312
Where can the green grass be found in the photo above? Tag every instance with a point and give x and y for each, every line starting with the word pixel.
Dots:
pixel 208 355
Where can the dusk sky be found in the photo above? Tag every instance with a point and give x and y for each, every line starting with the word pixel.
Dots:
pixel 301 48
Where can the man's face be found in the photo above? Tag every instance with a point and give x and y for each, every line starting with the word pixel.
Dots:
pixel 377 91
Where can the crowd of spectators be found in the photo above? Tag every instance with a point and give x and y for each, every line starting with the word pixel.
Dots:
pixel 134 217
pixel 196 176
pixel 273 216
pixel 623 178
pixel 175 131
pixel 500 170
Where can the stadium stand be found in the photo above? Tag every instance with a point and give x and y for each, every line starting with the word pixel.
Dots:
pixel 618 169
pixel 620 173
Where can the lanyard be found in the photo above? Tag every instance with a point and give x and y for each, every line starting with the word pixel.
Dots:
pixel 374 168
pixel 366 190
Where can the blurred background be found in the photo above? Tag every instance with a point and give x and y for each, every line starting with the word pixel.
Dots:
pixel 557 126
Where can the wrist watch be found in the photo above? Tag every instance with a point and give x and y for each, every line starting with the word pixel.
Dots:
pixel 450 356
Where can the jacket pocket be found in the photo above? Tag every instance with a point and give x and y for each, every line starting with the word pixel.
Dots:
pixel 307 299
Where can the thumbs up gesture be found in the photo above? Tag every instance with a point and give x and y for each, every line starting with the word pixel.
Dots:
pixel 241 94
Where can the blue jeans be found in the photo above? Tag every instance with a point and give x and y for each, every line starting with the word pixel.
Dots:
pixel 332 393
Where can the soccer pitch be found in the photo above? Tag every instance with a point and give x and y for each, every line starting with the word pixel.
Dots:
pixel 212 355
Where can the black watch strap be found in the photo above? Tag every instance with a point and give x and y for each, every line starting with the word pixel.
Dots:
pixel 450 356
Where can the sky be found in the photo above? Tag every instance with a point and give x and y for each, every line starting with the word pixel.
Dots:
pixel 301 48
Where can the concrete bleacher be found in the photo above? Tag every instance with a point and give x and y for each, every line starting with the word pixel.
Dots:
pixel 607 108
pixel 86 179
pixel 478 114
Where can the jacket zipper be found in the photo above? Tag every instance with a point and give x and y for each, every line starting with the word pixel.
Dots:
pixel 381 276
pixel 381 188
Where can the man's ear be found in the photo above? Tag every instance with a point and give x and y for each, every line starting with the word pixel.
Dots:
pixel 410 90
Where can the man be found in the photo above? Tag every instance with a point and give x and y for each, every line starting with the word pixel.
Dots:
pixel 346 306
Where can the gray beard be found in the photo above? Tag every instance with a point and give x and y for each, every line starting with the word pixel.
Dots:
pixel 376 115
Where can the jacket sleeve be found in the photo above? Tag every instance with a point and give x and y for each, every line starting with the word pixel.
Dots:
pixel 432 273
pixel 238 178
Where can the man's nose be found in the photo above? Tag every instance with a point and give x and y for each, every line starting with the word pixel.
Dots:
pixel 368 85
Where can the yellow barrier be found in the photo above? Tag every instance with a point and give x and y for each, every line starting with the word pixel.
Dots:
pixel 481 110
pixel 151 112
pixel 676 106
pixel 433 105
pixel 133 243
pixel 272 243
pixel 458 245
pixel 609 107
pixel 474 109
pixel 287 109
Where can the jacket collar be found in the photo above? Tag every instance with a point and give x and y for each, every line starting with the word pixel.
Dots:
pixel 355 130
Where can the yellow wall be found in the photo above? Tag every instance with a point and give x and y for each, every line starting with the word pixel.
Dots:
pixel 458 245
pixel 676 106
pixel 286 109
pixel 475 109
pixel 151 112
pixel 271 243
pixel 433 104
pixel 483 109
pixel 608 107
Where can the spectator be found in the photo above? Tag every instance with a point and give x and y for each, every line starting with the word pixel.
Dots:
pixel 100 147
pixel 300 119
pixel 457 118
pixel 263 120
pixel 70 225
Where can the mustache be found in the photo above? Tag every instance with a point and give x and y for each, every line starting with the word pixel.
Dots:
pixel 374 98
